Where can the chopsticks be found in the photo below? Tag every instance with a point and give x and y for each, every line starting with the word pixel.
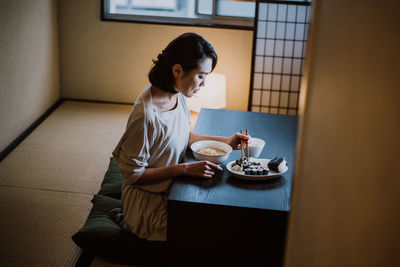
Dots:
pixel 247 146
pixel 241 146
pixel 242 143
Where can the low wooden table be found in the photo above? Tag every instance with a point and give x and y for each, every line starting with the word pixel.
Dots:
pixel 227 221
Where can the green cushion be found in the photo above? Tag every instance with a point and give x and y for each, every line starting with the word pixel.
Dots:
pixel 102 237
pixel 112 183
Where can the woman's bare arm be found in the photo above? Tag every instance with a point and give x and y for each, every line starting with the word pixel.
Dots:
pixel 233 141
pixel 201 169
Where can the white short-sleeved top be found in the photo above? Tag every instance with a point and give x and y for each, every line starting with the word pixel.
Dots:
pixel 152 139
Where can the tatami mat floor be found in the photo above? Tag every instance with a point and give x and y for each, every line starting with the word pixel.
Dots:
pixel 47 182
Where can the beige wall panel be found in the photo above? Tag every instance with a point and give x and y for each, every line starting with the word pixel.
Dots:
pixel 29 77
pixel 109 61
pixel 346 189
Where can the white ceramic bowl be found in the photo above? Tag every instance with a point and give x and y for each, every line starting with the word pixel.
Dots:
pixel 211 144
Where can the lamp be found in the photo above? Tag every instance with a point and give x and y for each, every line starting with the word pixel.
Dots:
pixel 212 95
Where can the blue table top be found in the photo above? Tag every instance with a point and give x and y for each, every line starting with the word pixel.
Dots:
pixel 279 133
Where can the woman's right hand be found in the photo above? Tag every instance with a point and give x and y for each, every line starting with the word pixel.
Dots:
pixel 201 169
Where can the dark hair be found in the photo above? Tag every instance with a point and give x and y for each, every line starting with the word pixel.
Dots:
pixel 188 50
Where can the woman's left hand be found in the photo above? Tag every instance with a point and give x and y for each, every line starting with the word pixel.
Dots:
pixel 234 140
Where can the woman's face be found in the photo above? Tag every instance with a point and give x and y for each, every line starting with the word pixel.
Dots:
pixel 189 84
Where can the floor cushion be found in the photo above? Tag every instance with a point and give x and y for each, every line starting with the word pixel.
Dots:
pixel 112 182
pixel 102 237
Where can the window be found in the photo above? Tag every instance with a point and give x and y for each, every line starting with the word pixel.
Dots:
pixel 280 42
pixel 213 13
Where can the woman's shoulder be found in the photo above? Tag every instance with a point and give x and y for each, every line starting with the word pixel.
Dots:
pixel 144 98
pixel 142 111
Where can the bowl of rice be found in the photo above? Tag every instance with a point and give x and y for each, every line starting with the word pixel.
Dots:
pixel 214 151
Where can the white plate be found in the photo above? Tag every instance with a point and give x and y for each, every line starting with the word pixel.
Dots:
pixel 264 162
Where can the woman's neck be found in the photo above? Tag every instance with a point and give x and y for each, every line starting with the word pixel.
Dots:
pixel 162 100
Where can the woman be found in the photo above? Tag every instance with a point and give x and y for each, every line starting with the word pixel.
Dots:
pixel 158 134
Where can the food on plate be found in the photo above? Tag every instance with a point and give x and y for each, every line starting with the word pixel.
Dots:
pixel 277 164
pixel 211 151
pixel 249 167
pixel 256 171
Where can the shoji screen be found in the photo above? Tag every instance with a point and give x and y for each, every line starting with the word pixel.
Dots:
pixel 280 39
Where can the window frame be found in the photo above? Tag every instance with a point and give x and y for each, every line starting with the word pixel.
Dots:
pixel 214 21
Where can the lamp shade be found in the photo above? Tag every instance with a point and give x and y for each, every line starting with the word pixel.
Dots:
pixel 212 95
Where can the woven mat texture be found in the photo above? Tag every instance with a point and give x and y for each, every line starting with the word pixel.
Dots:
pixel 69 151
pixel 36 226
pixel 47 182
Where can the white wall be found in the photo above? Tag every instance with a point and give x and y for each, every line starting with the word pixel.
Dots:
pixel 345 209
pixel 29 76
pixel 109 61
